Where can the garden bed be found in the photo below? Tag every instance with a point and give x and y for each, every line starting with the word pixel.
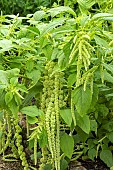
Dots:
pixel 75 165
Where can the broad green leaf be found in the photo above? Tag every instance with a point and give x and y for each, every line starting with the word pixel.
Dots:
pixel 62 29
pixel 108 126
pixel 67 49
pixel 8 97
pixel 93 126
pixel 34 75
pixel 30 65
pixel 109 95
pixel 14 108
pixel 43 140
pixel 102 15
pixel 84 123
pixel 51 26
pixel 31 111
pixel 14 80
pixel 71 79
pixel 2 86
pixel 66 115
pixel 32 120
pixel 58 10
pixel 13 72
pixel 91 143
pixel 1 133
pixel 44 41
pixel 81 134
pixel 17 100
pixel 101 42
pixel 91 153
pixel 34 30
pixel 32 92
pixel 55 53
pixel 22 88
pixel 47 50
pixel 109 67
pixel 64 164
pixel 6 45
pixel 108 18
pixel 86 3
pixel 110 136
pixel 47 167
pixel 82 99
pixel 108 77
pixel 62 61
pixel 102 110
pixel 38 15
pixel 2 99
pixel 67 145
pixel 3 78
pixel 106 157
pixel 1 115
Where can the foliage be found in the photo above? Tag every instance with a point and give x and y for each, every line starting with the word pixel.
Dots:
pixel 56 75
pixel 23 7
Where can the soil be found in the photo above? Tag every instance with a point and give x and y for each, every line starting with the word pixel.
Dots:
pixel 5 165
pixel 76 165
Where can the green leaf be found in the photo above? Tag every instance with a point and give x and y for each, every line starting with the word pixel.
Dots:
pixel 93 126
pixel 48 167
pixel 81 134
pixel 55 53
pixel 109 67
pixel 108 77
pixel 13 72
pixel 62 61
pixel 71 79
pixel 106 157
pixel 51 26
pixel 43 139
pixel 102 110
pixel 82 99
pixel 31 111
pixel 108 126
pixel 62 29
pixel 91 153
pixel 101 42
pixel 6 45
pixel 17 100
pixel 34 30
pixel 47 50
pixel 8 97
pixel 14 81
pixel 13 107
pixel 58 10
pixel 110 136
pixel 3 78
pixel 84 123
pixel 32 92
pixel 1 133
pixel 32 120
pixel 29 65
pixel 102 16
pixel 1 115
pixel 34 75
pixel 67 145
pixel 66 115
pixel 38 15
pixel 64 164
pixel 86 3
